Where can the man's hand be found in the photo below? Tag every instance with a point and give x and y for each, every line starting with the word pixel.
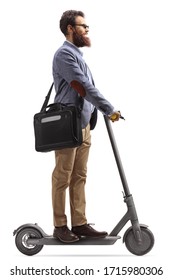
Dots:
pixel 115 116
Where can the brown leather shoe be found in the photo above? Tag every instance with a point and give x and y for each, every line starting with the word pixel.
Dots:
pixel 64 234
pixel 87 231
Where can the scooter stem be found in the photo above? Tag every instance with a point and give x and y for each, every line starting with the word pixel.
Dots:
pixel 117 156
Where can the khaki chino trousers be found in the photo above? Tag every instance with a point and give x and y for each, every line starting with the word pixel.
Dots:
pixel 71 171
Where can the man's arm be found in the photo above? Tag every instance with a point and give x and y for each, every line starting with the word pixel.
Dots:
pixel 69 69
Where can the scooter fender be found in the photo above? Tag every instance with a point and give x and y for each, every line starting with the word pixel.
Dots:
pixel 30 226
pixel 141 226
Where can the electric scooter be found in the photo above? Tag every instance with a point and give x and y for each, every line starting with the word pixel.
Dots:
pixel 139 240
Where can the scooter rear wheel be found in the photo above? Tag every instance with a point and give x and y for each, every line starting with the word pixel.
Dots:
pixel 21 241
pixel 143 248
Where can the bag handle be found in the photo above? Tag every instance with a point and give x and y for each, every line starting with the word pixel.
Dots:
pixel 81 100
pixel 47 98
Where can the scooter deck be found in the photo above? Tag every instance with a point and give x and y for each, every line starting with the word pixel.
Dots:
pixel 50 240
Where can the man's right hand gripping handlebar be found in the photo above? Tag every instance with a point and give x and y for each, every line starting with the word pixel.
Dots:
pixel 115 116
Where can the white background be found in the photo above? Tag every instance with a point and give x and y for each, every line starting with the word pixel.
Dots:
pixel 132 63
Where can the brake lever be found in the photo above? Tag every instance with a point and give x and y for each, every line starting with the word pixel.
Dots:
pixel 121 117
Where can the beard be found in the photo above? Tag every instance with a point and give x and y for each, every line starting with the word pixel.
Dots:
pixel 81 40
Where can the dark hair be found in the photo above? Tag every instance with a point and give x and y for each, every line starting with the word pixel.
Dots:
pixel 67 18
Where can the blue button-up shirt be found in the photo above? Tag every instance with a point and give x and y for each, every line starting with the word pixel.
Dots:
pixel 68 66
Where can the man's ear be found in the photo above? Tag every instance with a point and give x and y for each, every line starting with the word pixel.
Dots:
pixel 69 29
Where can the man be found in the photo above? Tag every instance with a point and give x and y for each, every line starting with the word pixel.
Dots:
pixel 73 79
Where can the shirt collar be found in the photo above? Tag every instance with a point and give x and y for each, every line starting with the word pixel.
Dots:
pixel 68 43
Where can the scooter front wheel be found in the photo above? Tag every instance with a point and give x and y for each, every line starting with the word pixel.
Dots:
pixel 22 244
pixel 144 247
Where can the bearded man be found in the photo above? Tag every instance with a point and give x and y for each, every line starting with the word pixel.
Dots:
pixel 73 80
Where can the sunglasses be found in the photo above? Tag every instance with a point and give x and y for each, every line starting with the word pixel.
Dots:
pixel 83 25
